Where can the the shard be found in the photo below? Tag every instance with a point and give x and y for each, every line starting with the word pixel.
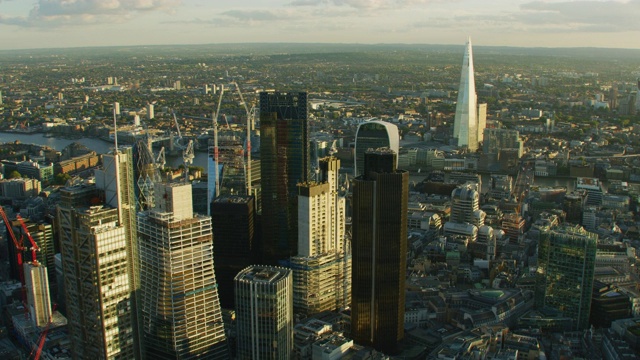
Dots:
pixel 465 126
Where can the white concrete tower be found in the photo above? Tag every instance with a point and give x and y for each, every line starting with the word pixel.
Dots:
pixel 465 126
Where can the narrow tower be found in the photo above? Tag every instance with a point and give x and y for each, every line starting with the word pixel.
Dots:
pixel 284 163
pixel 465 126
pixel 379 248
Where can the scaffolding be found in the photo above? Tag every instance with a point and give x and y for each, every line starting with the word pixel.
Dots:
pixel 179 302
pixel 318 283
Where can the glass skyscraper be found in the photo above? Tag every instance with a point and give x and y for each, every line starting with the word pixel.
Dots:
pixel 284 163
pixel 564 279
pixel 379 252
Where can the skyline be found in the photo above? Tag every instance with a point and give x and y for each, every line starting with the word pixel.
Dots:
pixel 522 23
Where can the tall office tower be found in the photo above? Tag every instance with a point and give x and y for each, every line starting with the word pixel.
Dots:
pixel 564 279
pixel 116 108
pixel 482 121
pixel 264 313
pixel 95 257
pixel 1 98
pixel 465 201
pixel 465 126
pixel 284 163
pixel 38 298
pixel 178 292
pixel 373 135
pixel 233 222
pixel 321 270
pixel 150 113
pixel 613 97
pixel 116 180
pixel 379 247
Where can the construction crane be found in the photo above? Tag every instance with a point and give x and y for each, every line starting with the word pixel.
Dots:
pixel 187 150
pixel 249 121
pixel 34 245
pixel 37 350
pixel 161 160
pixel 19 249
pixel 215 144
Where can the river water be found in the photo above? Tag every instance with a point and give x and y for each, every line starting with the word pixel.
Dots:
pixel 95 144
pixel 101 147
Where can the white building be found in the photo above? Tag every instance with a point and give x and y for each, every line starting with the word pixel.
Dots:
pixel 150 113
pixel 322 269
pixel 38 299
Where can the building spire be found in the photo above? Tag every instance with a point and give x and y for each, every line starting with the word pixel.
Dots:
pixel 465 126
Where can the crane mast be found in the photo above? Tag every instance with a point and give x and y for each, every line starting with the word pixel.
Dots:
pixel 249 118
pixel 34 245
pixel 19 249
pixel 215 143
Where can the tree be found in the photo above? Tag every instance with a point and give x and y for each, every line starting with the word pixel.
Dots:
pixel 61 179
pixel 14 175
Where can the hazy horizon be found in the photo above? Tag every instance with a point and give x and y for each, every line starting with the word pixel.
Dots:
pixel 41 24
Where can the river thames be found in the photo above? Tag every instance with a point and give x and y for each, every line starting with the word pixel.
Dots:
pixel 95 144
pixel 101 147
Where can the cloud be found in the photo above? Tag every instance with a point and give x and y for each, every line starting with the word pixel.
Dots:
pixel 46 13
pixel 590 16
pixel 584 15
pixel 254 15
pixel 363 4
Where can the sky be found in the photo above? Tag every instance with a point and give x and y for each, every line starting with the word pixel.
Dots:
pixel 28 24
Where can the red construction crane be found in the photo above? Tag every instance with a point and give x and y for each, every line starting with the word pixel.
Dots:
pixel 19 249
pixel 34 245
pixel 37 351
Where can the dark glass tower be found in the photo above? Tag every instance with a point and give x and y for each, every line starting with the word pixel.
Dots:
pixel 284 162
pixel 379 248
pixel 232 220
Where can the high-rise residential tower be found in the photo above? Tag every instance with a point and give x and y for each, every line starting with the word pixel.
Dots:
pixel 322 268
pixel 379 250
pixel 372 135
pixel 264 313
pixel 470 119
pixel 284 163
pixel 179 294
pixel 38 298
pixel 97 284
pixel 566 265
